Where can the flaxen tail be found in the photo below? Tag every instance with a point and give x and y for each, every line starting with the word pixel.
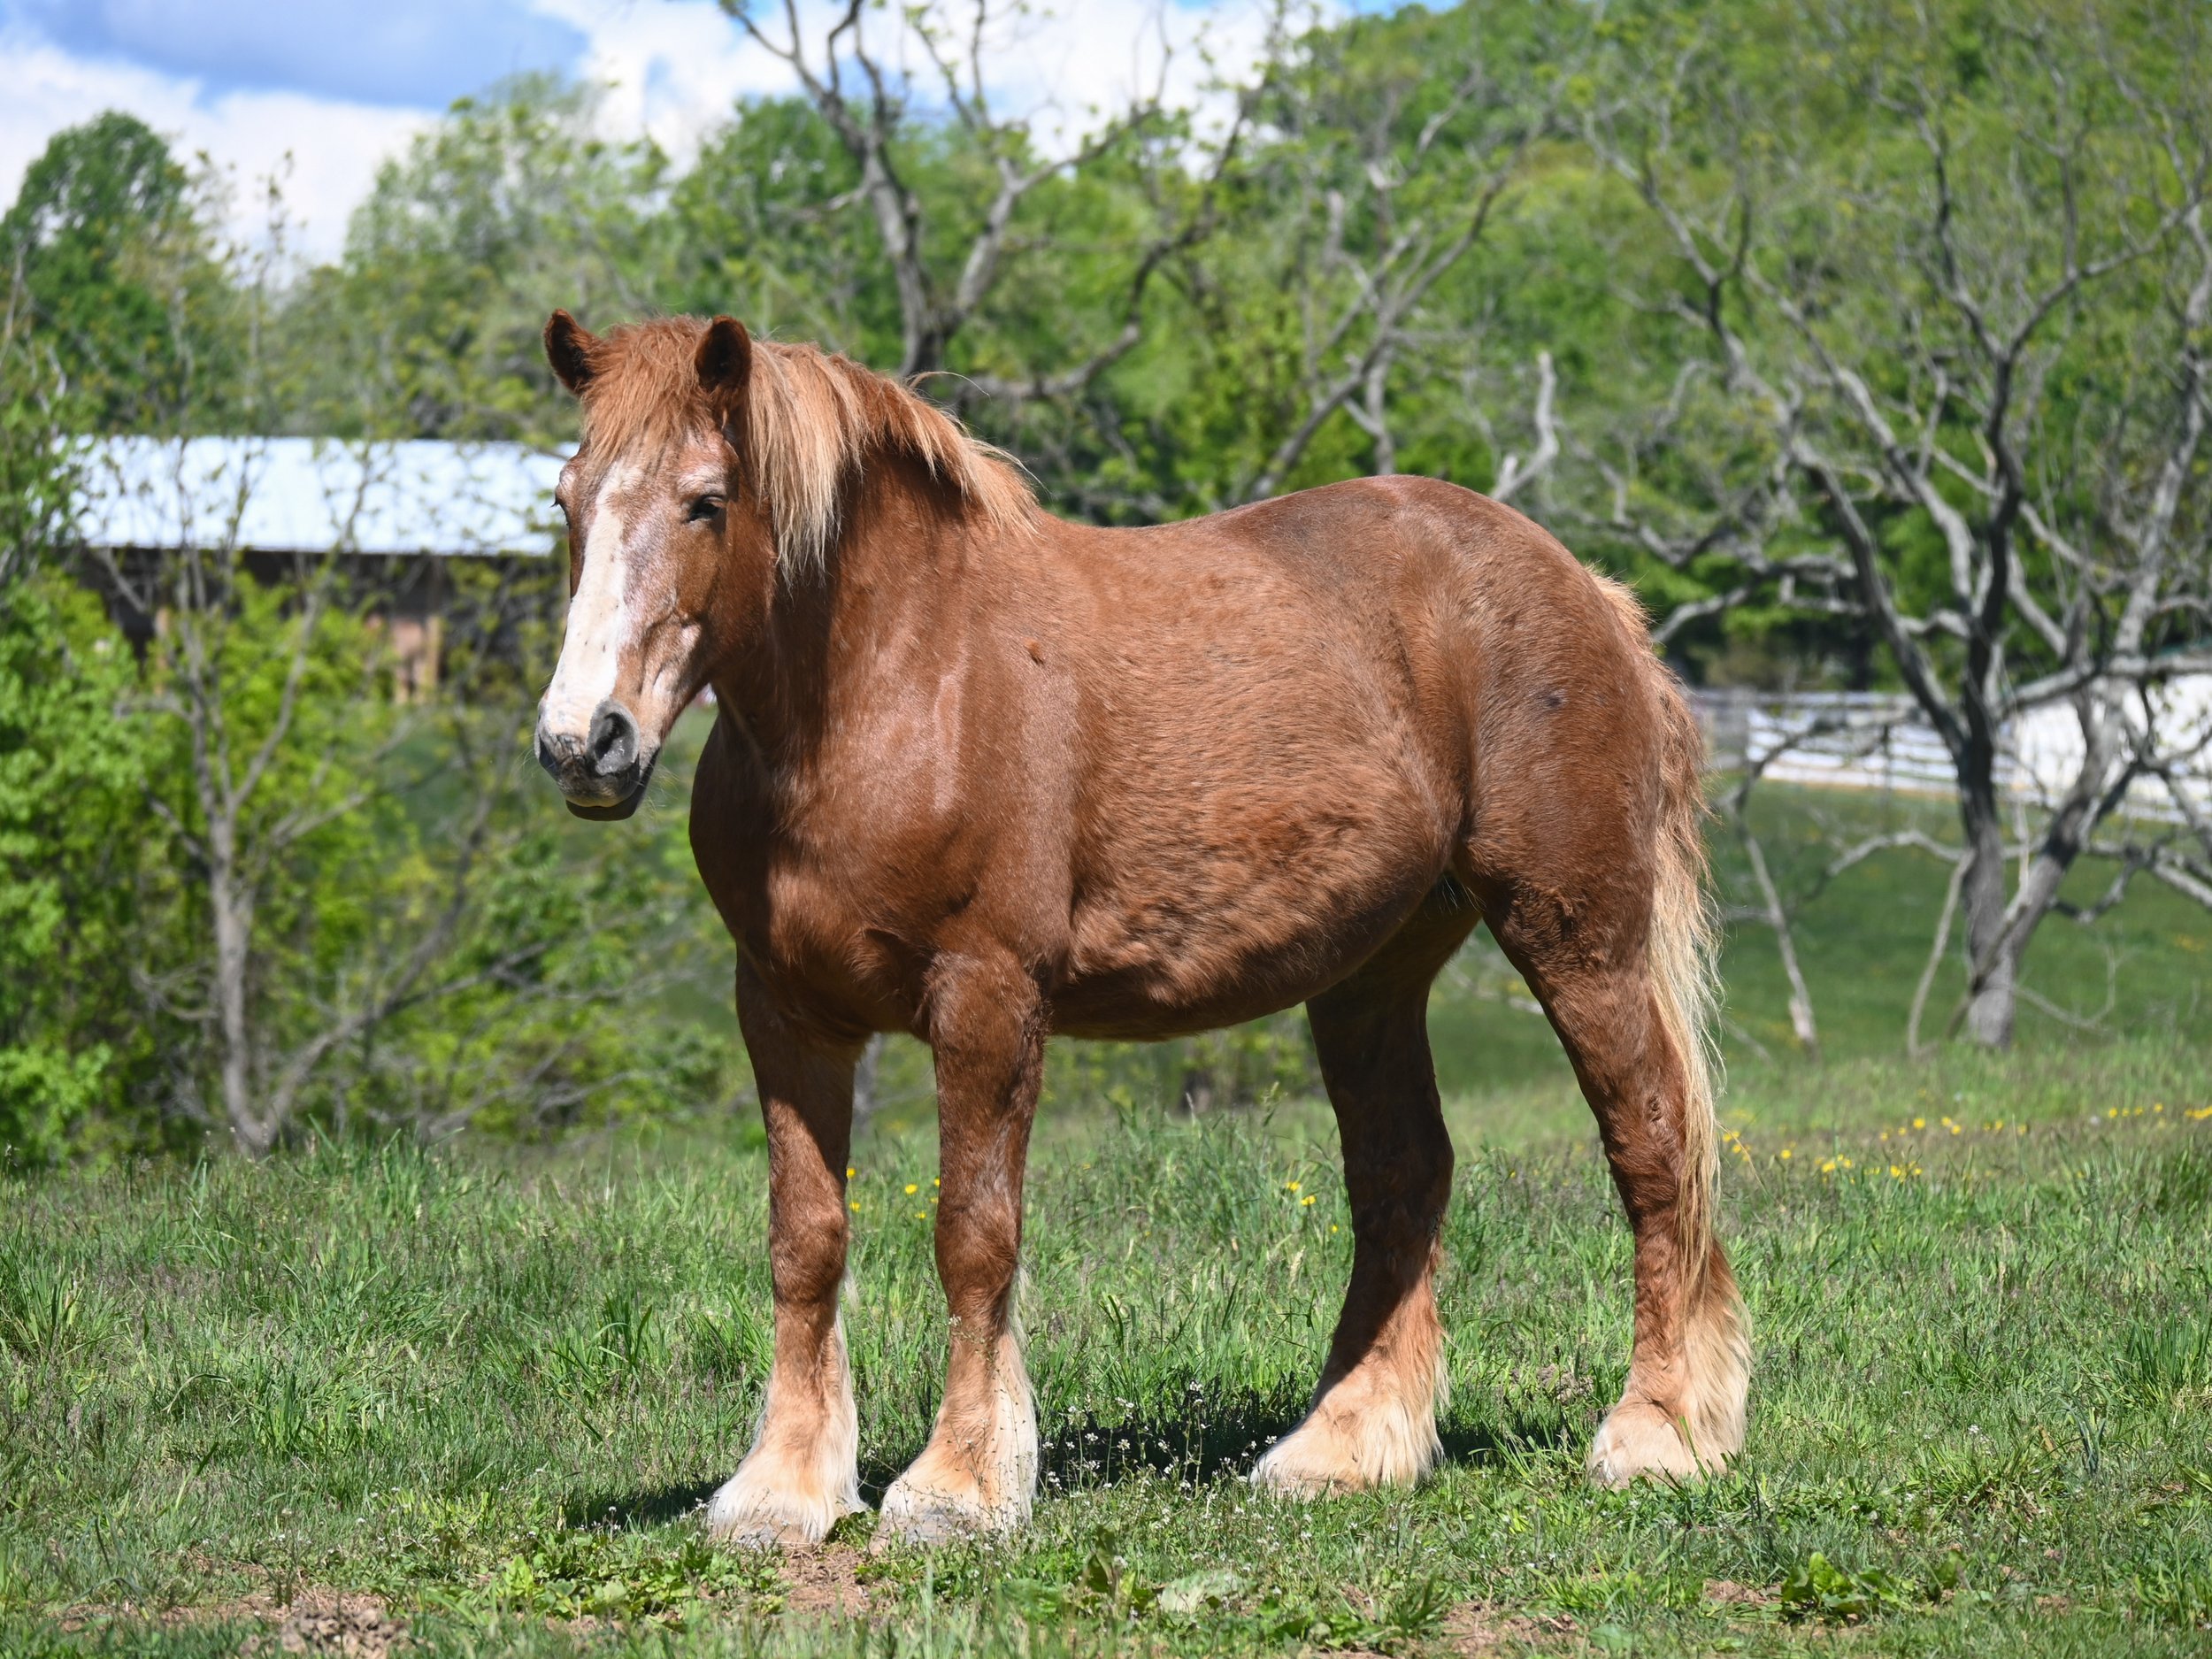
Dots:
pixel 1684 946
pixel 1715 1345
pixel 1683 969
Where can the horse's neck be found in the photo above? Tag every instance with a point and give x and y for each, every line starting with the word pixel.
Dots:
pixel 884 582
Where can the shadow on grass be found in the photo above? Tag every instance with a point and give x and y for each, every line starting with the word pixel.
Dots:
pixel 1214 1439
pixel 1217 1438
pixel 1225 1444
pixel 1507 1440
pixel 655 1506
pixel 1208 1439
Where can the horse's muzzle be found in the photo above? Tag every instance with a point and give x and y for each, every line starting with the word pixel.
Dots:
pixel 602 773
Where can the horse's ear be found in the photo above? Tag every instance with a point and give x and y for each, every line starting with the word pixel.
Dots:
pixel 569 348
pixel 724 360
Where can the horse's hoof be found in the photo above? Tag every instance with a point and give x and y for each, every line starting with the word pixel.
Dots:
pixel 1300 1466
pixel 1636 1441
pixel 926 1519
pixel 747 1517
pixel 1386 1440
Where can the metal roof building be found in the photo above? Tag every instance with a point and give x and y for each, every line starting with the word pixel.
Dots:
pixel 389 515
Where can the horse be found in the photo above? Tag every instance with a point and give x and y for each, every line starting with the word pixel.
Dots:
pixel 983 775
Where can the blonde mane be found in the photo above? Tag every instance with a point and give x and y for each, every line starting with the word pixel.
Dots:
pixel 813 421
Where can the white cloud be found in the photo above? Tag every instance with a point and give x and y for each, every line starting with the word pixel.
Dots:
pixel 674 68
pixel 677 68
pixel 334 147
pixel 671 71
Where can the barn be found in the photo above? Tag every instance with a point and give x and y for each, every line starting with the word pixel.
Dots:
pixel 391 516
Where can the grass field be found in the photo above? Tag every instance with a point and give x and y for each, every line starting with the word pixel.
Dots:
pixel 474 1398
pixel 370 1399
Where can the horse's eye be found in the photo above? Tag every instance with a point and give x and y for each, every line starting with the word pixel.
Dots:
pixel 706 507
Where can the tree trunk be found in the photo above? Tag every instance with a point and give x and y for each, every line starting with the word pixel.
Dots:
pixel 1992 988
pixel 1802 1021
pixel 865 1072
pixel 231 913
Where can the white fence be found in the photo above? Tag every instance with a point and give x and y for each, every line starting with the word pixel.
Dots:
pixel 1856 740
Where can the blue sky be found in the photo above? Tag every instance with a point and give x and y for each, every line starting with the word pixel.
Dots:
pixel 412 53
pixel 320 92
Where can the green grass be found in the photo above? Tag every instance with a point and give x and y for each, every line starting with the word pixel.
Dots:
pixel 1862 943
pixel 489 1389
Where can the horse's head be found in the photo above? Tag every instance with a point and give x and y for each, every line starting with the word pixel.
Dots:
pixel 667 555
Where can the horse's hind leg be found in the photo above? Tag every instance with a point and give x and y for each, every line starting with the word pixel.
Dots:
pixel 1374 1420
pixel 1585 957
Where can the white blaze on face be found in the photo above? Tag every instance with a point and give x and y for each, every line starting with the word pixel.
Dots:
pixel 598 620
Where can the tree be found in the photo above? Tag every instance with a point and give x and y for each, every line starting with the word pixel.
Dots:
pixel 429 326
pixel 70 788
pixel 346 907
pixel 117 273
pixel 763 227
pixel 1394 143
pixel 1969 350
pixel 946 251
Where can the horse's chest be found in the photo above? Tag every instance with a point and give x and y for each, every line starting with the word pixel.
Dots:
pixel 856 925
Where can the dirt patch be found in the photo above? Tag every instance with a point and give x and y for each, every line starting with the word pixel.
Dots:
pixel 94 1615
pixel 331 1621
pixel 825 1579
pixel 355 1625
pixel 1728 1593
pixel 316 1621
pixel 1472 1628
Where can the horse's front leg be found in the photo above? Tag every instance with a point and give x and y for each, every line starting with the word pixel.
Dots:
pixel 803 1471
pixel 979 1472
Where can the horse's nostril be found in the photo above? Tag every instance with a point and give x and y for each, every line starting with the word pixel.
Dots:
pixel 613 743
pixel 554 752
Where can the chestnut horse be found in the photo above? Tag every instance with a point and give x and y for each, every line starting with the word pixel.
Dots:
pixel 981 775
